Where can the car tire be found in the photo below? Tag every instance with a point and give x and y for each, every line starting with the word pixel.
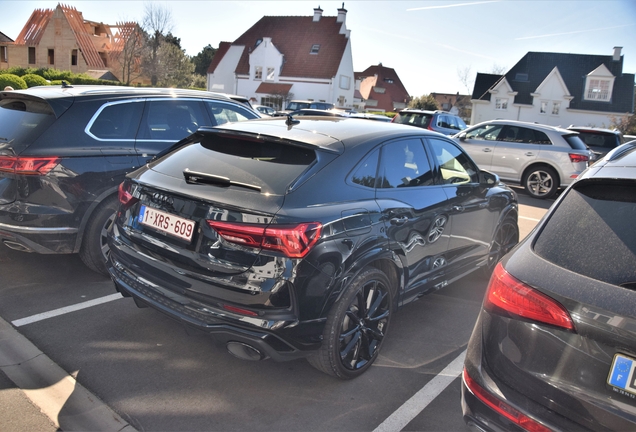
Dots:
pixel 356 326
pixel 541 182
pixel 94 250
pixel 505 238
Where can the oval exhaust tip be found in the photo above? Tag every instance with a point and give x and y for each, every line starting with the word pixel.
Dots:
pixel 244 351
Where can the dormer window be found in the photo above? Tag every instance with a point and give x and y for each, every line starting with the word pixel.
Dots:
pixel 258 42
pixel 599 84
pixel 314 49
pixel 388 80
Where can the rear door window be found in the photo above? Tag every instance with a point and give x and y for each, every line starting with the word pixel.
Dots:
pixel 592 232
pixel 171 120
pixel 116 121
pixel 405 164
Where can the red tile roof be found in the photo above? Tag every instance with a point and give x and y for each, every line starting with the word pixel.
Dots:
pixel 386 78
pixel 294 38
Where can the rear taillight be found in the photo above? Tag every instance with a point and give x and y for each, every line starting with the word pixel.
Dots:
pixel 28 165
pixel 294 241
pixel 578 158
pixel 124 193
pixel 501 407
pixel 513 296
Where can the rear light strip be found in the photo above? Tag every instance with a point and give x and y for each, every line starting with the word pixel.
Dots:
pixel 501 407
pixel 574 157
pixel 28 165
pixel 294 241
pixel 125 195
pixel 513 296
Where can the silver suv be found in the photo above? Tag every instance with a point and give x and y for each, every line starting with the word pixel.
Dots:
pixel 541 158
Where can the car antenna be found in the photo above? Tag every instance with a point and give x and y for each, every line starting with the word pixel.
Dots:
pixel 66 85
pixel 291 121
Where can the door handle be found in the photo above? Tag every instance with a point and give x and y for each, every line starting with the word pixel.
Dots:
pixel 457 208
pixel 486 149
pixel 529 154
pixel 398 221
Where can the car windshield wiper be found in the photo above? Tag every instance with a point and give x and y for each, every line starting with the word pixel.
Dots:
pixel 193 177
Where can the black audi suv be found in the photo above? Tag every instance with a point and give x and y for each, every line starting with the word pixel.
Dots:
pixel 554 347
pixel 64 150
pixel 290 238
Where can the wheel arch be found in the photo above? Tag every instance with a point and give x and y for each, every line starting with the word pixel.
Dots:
pixel 536 165
pixel 89 213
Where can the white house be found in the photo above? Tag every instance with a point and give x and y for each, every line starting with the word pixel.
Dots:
pixel 557 89
pixel 286 57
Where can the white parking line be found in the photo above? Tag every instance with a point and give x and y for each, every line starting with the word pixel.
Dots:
pixel 420 400
pixel 530 219
pixel 65 310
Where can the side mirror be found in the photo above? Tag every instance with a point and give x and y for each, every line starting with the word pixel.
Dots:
pixel 488 179
pixel 462 136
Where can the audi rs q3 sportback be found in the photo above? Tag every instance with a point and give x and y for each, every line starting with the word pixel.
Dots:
pixel 289 238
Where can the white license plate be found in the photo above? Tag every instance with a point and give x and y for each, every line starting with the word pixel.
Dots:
pixel 623 374
pixel 166 222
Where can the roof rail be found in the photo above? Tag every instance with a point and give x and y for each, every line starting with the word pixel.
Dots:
pixel 621 151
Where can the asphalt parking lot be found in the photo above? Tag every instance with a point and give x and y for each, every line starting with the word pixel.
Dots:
pixel 151 375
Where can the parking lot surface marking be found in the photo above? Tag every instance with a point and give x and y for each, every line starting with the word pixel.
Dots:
pixel 529 218
pixel 420 400
pixel 65 310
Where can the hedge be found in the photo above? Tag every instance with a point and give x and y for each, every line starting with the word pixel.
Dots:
pixel 12 80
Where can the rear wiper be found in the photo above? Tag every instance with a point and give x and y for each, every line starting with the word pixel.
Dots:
pixel 192 177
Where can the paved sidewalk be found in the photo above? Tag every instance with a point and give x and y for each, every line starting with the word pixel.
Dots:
pixel 37 395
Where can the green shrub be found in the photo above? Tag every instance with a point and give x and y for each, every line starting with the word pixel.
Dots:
pixel 33 80
pixel 12 80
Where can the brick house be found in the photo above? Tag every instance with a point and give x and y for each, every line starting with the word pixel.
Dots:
pixel 62 39
pixel 288 57
pixel 382 90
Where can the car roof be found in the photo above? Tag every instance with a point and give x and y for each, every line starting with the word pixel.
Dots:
pixel 594 129
pixel 526 124
pixel 618 163
pixel 329 133
pixel 415 110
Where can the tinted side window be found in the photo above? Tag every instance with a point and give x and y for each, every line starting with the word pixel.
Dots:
pixel 575 142
pixel 404 164
pixel 172 120
pixel 365 174
pixel 524 135
pixel 223 113
pixel 601 215
pixel 413 119
pixel 455 166
pixel 487 132
pixel 117 121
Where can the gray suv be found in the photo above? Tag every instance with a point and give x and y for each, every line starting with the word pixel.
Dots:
pixel 541 158
pixel 437 121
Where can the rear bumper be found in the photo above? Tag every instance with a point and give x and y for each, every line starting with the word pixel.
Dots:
pixel 266 336
pixel 45 240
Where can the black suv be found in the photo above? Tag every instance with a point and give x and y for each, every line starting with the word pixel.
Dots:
pixel 600 141
pixel 64 151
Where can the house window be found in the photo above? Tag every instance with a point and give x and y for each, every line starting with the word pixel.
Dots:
pixel 4 55
pixel 501 104
pixel 104 58
pixel 598 89
pixel 345 82
pixel 51 57
pixel 74 57
pixel 314 49
pixel 258 73
pixel 556 107
pixel 544 107
pixel 380 90
pixel 275 102
pixel 388 80
pixel 31 55
pixel 270 74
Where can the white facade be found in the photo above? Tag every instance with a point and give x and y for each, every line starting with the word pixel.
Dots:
pixel 223 79
pixel 550 106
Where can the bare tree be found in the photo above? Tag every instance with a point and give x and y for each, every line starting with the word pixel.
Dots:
pixel 498 69
pixel 130 49
pixel 157 23
pixel 465 76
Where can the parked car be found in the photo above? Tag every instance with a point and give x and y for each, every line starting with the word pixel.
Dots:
pixel 541 158
pixel 296 105
pixel 300 237
pixel 601 141
pixel 264 109
pixel 376 117
pixel 438 121
pixel 318 112
pixel 554 347
pixel 65 150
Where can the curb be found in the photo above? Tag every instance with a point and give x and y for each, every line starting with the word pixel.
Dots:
pixel 58 395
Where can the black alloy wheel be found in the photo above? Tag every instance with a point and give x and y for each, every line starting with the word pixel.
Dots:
pixel 506 237
pixel 356 326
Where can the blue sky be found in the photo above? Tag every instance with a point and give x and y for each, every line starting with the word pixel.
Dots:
pixel 426 42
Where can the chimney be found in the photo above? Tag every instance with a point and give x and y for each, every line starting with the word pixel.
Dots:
pixel 342 14
pixel 317 14
pixel 617 53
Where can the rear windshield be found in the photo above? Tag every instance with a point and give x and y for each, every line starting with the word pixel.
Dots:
pixel 22 122
pixel 604 140
pixel 272 166
pixel 413 119
pixel 592 233
pixel 575 142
